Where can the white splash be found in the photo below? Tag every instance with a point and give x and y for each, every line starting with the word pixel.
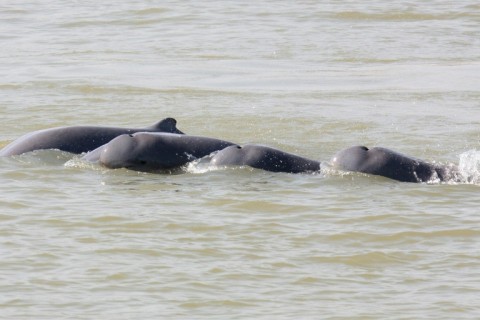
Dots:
pixel 469 166
pixel 201 165
pixel 79 163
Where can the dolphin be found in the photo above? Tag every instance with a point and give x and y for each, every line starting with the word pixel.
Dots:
pixel 154 152
pixel 78 139
pixel 265 158
pixel 391 164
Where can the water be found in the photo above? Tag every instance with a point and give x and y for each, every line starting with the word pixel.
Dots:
pixel 83 242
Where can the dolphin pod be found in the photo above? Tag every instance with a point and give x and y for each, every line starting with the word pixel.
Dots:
pixel 150 152
pixel 163 147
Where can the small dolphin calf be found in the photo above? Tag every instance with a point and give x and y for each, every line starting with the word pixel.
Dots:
pixel 150 152
pixel 78 139
pixel 266 158
pixel 387 163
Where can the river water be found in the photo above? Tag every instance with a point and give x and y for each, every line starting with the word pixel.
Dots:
pixel 309 77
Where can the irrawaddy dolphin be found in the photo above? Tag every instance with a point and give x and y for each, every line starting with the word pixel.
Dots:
pixel 151 152
pixel 266 158
pixel 391 164
pixel 78 139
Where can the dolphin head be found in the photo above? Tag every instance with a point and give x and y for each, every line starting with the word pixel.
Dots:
pixel 232 155
pixel 120 152
pixel 350 159
pixel 142 151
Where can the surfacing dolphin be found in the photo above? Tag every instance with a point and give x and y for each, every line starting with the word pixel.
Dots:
pixel 266 158
pixel 78 139
pixel 154 152
pixel 388 163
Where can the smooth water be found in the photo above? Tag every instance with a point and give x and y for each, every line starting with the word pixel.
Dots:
pixel 82 242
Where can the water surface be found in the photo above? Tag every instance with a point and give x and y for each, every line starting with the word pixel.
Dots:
pixel 83 242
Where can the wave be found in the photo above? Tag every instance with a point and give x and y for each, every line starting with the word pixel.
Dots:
pixel 400 16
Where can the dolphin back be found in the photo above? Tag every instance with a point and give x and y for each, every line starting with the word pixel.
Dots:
pixel 78 139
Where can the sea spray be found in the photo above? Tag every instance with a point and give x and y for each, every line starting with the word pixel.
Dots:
pixel 469 166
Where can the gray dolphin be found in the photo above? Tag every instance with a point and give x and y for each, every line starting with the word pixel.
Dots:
pixel 78 139
pixel 150 152
pixel 266 158
pixel 390 164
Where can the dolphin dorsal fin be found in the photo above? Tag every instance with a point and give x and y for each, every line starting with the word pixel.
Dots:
pixel 166 125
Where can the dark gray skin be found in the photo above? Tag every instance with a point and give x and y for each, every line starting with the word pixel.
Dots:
pixel 154 152
pixel 78 139
pixel 387 163
pixel 265 158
